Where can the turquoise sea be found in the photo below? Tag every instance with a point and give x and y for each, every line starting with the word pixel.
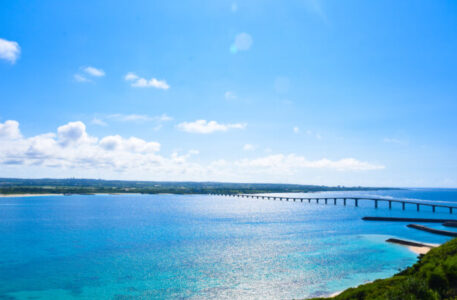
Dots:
pixel 200 247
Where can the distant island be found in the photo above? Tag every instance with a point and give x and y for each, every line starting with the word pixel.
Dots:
pixel 434 276
pixel 17 186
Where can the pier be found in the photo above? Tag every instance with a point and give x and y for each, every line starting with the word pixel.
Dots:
pixel 348 200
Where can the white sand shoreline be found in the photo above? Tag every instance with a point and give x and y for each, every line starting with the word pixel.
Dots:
pixel 26 195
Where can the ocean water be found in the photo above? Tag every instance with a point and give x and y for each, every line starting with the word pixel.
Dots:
pixel 200 247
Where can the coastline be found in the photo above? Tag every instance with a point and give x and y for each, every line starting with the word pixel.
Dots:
pixel 416 247
pixel 420 248
pixel 26 195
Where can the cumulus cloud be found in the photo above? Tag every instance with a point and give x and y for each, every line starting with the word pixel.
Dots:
pixel 73 147
pixel 293 162
pixel 205 127
pixel 94 71
pixel 243 42
pixel 137 81
pixel 296 129
pixel 72 150
pixel 10 130
pixel 9 50
pixel 73 132
pixel 132 144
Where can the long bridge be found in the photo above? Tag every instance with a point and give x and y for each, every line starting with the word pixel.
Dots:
pixel 346 200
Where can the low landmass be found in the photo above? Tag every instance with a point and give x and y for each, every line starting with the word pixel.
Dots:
pixel 434 276
pixel 17 186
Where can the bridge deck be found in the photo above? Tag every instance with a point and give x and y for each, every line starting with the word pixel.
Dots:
pixel 354 199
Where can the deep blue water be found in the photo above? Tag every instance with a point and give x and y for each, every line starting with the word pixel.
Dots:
pixel 199 247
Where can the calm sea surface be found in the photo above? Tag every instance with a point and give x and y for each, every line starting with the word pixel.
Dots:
pixel 200 247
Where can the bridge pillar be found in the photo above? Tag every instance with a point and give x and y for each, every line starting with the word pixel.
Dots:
pixel 376 204
pixel 403 205
pixel 317 200
pixel 309 200
pixel 450 210
pixel 326 200
pixel 390 204
pixel 301 200
pixel 356 202
pixel 334 201
pixel 417 206
pixel 433 207
pixel 344 201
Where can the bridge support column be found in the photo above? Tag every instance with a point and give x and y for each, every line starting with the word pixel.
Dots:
pixel 417 206
pixel 403 205
pixel 334 201
pixel 356 202
pixel 309 200
pixel 301 200
pixel 390 204
pixel 376 204
pixel 344 201
pixel 326 200
pixel 317 200
pixel 433 207
pixel 450 210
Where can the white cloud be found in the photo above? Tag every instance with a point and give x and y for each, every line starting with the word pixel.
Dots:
pixel 130 117
pixel 205 127
pixel 230 95
pixel 296 129
pixel 132 144
pixel 293 162
pixel 248 147
pixel 81 78
pixel 72 151
pixel 10 130
pixel 99 122
pixel 131 76
pixel 88 71
pixel 157 121
pixel 137 81
pixel 73 147
pixel 94 71
pixel 243 42
pixel 72 133
pixel 9 50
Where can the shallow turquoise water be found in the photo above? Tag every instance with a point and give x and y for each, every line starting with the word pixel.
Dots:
pixel 198 247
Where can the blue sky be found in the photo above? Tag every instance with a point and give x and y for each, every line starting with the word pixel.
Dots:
pixel 306 91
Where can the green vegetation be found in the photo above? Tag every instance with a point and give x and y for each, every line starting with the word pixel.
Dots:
pixel 434 276
pixel 90 186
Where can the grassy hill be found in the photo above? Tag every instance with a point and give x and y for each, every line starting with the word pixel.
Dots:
pixel 434 276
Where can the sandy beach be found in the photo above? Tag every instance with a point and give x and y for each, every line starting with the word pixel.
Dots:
pixel 27 195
